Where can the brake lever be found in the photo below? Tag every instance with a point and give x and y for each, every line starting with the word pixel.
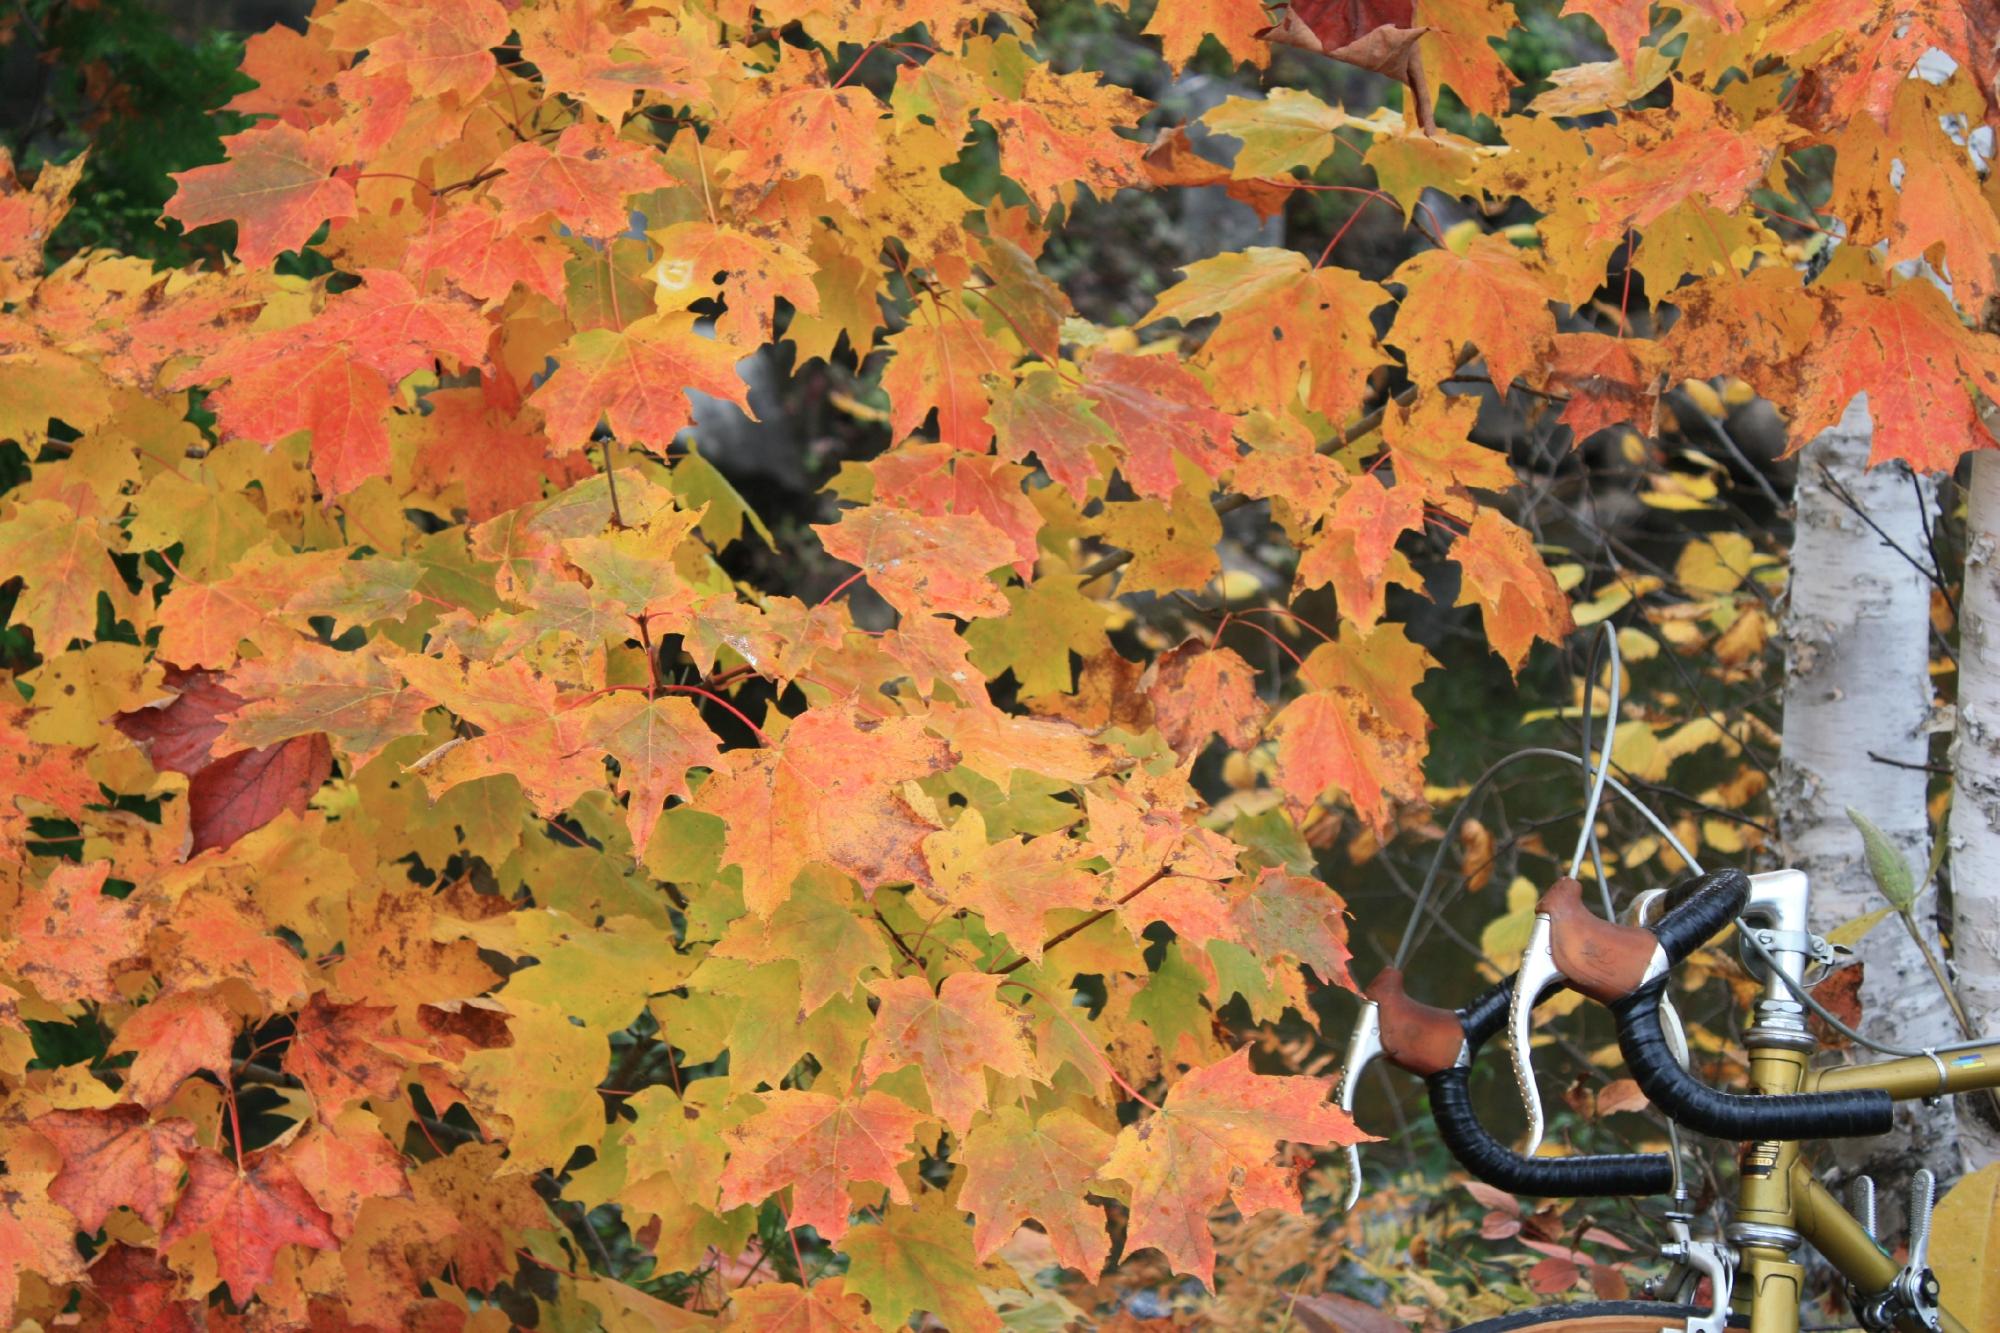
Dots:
pixel 1362 1048
pixel 1538 970
pixel 1602 959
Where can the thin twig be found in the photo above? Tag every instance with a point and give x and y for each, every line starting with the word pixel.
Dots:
pixel 1938 769
pixel 1091 920
pixel 1930 572
pixel 902 945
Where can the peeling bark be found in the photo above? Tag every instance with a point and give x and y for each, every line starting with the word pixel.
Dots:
pixel 1857 681
pixel 1975 810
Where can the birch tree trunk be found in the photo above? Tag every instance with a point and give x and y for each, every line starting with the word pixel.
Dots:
pixel 1857 681
pixel 1975 810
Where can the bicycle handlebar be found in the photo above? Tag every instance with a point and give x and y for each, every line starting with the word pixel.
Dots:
pixel 1855 1113
pixel 1439 1045
pixel 1626 967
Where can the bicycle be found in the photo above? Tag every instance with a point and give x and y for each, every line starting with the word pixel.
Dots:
pixel 1780 1205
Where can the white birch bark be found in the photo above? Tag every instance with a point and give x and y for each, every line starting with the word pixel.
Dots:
pixel 1975 811
pixel 1856 681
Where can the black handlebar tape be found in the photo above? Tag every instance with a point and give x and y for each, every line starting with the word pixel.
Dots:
pixel 1588 1177
pixel 1699 909
pixel 1858 1113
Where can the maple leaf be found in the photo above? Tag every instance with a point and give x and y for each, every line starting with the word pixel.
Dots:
pixel 172 1037
pixel 1215 1136
pixel 1045 415
pixel 1610 381
pixel 951 1036
pixel 816 929
pixel 278 185
pixel 472 246
pixel 27 216
pixel 1061 133
pixel 827 134
pixel 1234 24
pixel 577 52
pixel 439 46
pixel 1908 351
pixel 43 775
pixel 139 1291
pixel 920 563
pixel 1159 411
pixel 1013 883
pixel 115 1158
pixel 59 547
pixel 248 1213
pixel 1355 547
pixel 1018 1167
pixel 1458 49
pixel 583 179
pixel 941 363
pixel 229 795
pixel 1286 128
pixel 305 379
pixel 1379 35
pixel 937 480
pixel 1173 161
pixel 1653 160
pixel 827 792
pixel 819 1146
pixel 1356 730
pixel 1294 916
pixel 342 1053
pixel 656 742
pixel 217 936
pixel 1485 296
pixel 68 936
pixel 1288 332
pixel 1941 204
pixel 493 1210
pixel 1198 691
pixel 544 1083
pixel 523 729
pixel 36 1236
pixel 1624 23
pixel 1505 577
pixel 783 1307
pixel 357 701
pixel 1430 443
pixel 343 1164
pixel 637 379
pixel 757 272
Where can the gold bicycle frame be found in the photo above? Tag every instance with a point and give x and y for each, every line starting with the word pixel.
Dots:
pixel 1780 1203
pixel 1778 1193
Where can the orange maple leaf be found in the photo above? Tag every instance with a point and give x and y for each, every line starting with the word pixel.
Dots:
pixel 951 1036
pixel 1216 1136
pixel 1357 730
pixel 583 179
pixel 1505 577
pixel 818 1146
pixel 277 185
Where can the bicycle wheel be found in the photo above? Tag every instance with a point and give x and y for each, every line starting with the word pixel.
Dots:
pixel 1595 1317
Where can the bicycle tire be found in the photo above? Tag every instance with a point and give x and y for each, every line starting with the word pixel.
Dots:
pixel 1594 1317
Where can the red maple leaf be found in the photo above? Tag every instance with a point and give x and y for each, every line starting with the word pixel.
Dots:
pixel 248 1213
pixel 235 794
pixel 115 1158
